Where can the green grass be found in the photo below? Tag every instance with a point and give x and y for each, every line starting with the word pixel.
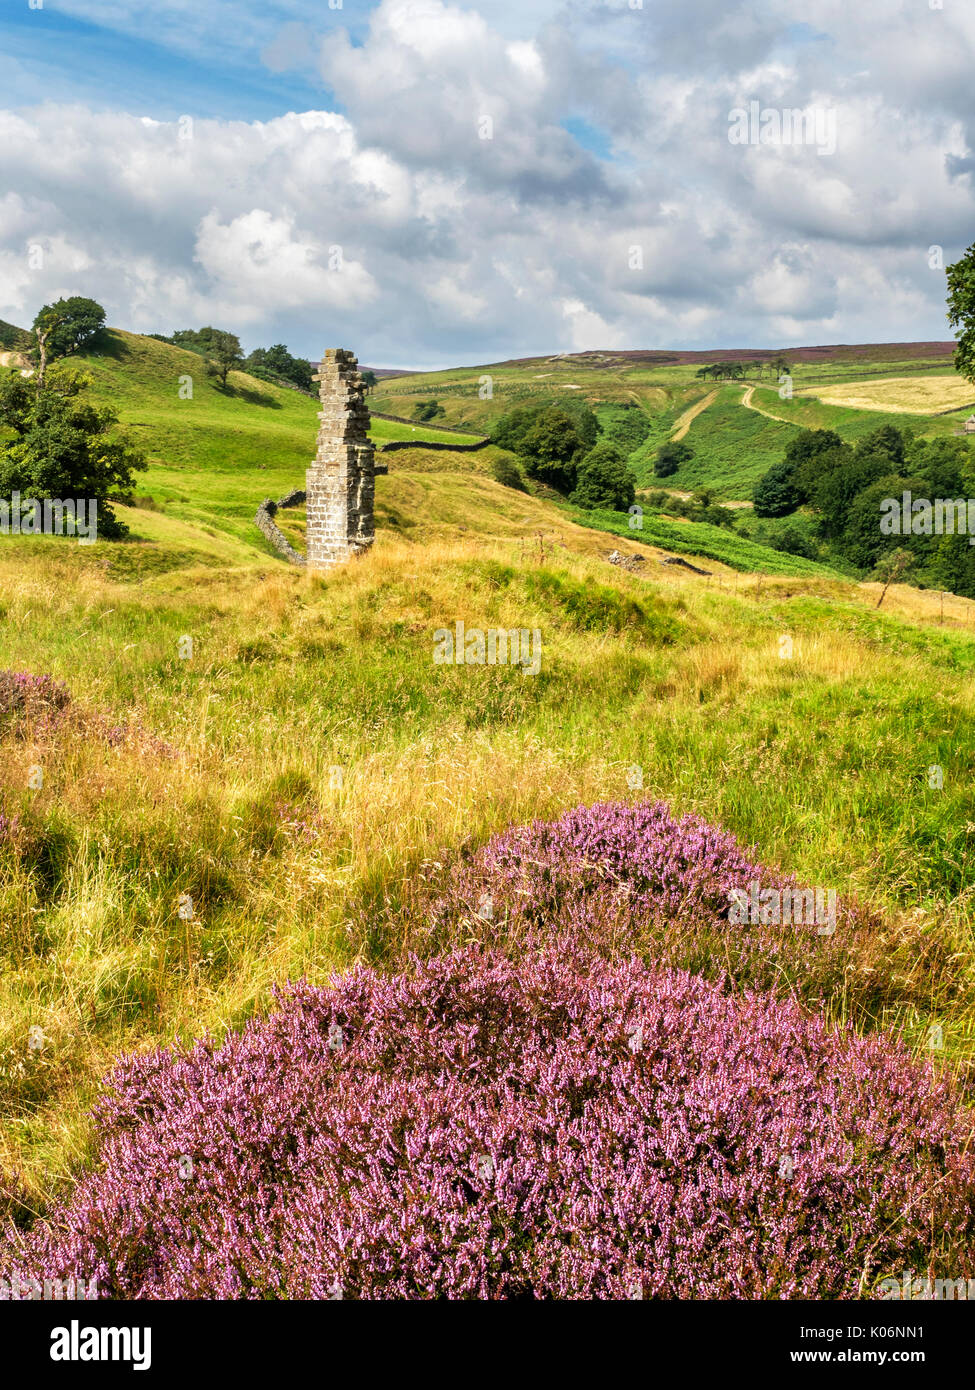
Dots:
pixel 214 457
pixel 733 445
pixel 223 785
pixel 850 424
pixel 12 337
pixel 703 540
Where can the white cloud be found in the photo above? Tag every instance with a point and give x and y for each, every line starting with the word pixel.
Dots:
pixel 456 247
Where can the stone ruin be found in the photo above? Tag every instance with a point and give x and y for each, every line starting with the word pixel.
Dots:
pixel 339 484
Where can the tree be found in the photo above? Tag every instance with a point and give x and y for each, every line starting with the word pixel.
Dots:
pixel 194 339
pixel 587 426
pixel 63 446
pixel 670 456
pixel 775 493
pixel 510 429
pixel 954 565
pixel 276 364
pixel 888 441
pixel 63 327
pixel 890 568
pixel 369 380
pixel 863 542
pixel 550 447
pixel 961 311
pixel 604 480
pixel 810 455
pixel 220 348
pixel 792 541
pixel 835 491
pixel 427 410
pixel 548 438
pixel 504 470
pixel 811 471
pixel 943 463
pixel 224 355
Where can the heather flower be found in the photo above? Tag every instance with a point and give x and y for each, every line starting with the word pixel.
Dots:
pixel 39 699
pixel 559 1126
pixel 45 706
pixel 623 877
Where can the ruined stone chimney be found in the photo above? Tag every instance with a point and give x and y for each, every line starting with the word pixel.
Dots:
pixel 340 480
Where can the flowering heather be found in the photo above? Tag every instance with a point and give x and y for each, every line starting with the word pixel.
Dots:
pixel 625 876
pixel 46 704
pixel 41 699
pixel 559 1126
pixel 298 821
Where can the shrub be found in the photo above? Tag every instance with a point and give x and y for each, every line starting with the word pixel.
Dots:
pixel 41 700
pixel 670 456
pixel 561 1127
pixel 505 471
pixel 604 480
pixel 776 493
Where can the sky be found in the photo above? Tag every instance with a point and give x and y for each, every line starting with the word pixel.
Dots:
pixel 433 184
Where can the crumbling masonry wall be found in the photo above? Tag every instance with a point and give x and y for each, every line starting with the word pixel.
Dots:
pixel 340 483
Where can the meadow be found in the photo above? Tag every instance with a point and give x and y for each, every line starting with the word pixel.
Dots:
pixel 286 796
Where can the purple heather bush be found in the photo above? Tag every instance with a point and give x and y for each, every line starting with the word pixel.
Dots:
pixel 625 877
pixel 556 1127
pixel 538 1113
pixel 40 699
pixel 41 706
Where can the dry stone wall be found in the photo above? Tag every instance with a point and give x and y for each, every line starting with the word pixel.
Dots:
pixel 266 525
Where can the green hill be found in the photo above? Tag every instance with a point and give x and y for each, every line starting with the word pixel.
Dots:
pixel 214 454
pixel 307 762
pixel 733 444
pixel 13 338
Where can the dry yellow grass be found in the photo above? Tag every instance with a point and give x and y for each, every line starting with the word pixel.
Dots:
pixel 902 395
pixel 717 721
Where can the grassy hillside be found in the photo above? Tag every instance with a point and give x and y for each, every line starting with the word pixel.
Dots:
pixel 705 541
pixel 298 771
pixel 214 775
pixel 213 458
pixel 11 337
pixel 733 444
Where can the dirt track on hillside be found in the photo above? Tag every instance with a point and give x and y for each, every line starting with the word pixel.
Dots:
pixel 746 401
pixel 685 421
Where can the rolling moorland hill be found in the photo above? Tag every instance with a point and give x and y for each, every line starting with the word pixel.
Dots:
pixel 214 457
pixel 308 764
pixel 737 430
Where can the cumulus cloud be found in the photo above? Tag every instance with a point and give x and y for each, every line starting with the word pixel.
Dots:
pixel 444 211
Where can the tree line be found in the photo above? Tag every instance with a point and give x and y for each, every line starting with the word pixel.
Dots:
pixel 737 371
pixel 846 486
pixel 560 447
